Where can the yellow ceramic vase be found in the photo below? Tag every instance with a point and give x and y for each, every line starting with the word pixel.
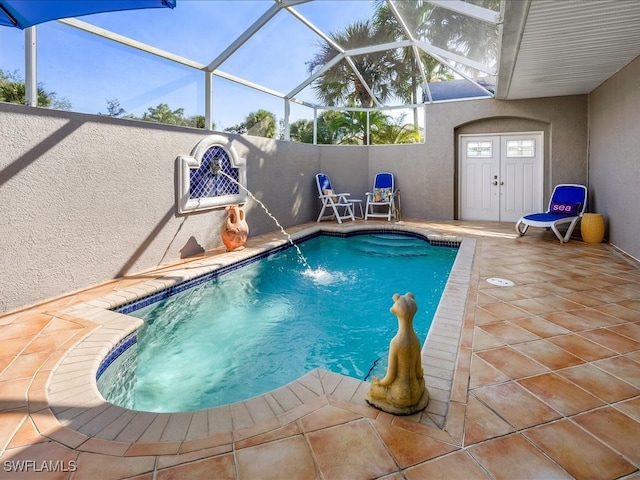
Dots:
pixel 592 227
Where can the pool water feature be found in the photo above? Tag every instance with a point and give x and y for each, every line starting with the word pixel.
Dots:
pixel 268 323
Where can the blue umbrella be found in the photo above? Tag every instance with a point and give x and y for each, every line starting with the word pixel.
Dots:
pixel 26 13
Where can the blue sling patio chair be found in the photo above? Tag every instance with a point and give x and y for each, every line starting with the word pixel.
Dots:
pixel 566 206
pixel 336 205
pixel 381 201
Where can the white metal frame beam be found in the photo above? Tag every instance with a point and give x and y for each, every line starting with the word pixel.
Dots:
pixel 470 10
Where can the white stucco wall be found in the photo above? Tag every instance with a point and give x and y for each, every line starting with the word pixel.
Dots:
pixel 614 157
pixel 85 199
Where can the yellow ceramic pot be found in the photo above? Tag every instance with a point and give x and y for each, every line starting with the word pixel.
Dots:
pixel 592 227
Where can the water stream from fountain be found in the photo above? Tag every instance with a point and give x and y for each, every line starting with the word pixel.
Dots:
pixel 301 257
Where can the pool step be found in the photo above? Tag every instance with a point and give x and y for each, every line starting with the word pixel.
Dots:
pixel 390 245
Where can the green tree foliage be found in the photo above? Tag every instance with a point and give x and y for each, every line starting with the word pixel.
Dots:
pixel 339 85
pixel 348 128
pixel 163 114
pixel 114 109
pixel 12 90
pixel 412 63
pixel 260 123
pixel 394 132
pixel 160 114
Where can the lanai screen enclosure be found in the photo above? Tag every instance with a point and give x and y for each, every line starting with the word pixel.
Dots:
pixel 300 58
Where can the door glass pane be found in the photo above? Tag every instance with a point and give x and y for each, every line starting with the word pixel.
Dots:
pixel 479 149
pixel 521 148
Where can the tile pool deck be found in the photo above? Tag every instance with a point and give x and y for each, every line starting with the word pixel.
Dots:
pixel 539 379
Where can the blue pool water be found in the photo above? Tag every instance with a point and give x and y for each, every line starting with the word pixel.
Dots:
pixel 268 323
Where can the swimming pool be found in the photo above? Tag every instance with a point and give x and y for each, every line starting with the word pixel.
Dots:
pixel 337 319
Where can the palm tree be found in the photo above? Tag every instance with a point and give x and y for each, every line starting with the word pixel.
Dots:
pixel 394 132
pixel 462 34
pixel 409 77
pixel 340 85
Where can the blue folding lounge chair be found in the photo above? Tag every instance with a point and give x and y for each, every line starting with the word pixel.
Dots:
pixel 566 206
pixel 337 204
pixel 383 195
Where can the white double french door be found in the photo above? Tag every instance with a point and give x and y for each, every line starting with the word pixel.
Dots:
pixel 500 176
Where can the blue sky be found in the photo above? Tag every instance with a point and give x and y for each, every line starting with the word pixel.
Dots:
pixel 88 70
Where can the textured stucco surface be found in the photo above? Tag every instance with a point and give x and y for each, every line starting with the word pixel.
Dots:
pixel 614 157
pixel 88 198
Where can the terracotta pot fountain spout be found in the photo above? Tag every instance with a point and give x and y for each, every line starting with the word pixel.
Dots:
pixel 235 229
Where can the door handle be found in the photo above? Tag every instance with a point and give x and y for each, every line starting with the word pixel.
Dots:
pixel 495 182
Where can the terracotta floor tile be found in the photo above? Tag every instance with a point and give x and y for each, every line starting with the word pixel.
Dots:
pixel 615 429
pixel 503 294
pixel 561 394
pixel 10 421
pixel 107 467
pixel 5 362
pixel 573 284
pixel 558 303
pixel 630 304
pixel 410 448
pixel 629 290
pixel 28 326
pixel 611 340
pixel 458 465
pixel 482 373
pixel 483 317
pixel 618 311
pixel 569 321
pixel 532 291
pixel 548 354
pixel 635 356
pixel 48 342
pixel 289 430
pixel 327 416
pixel 605 296
pixel 287 458
pixel 481 423
pixel 631 408
pixel 623 368
pixel 629 330
pixel 26 435
pixel 581 347
pixel 12 347
pixel 588 298
pixel 59 324
pixel 24 366
pixel 515 405
pixel 352 450
pixel 540 327
pixel 534 306
pixel 598 319
pixel 484 298
pixel 511 363
pixel 483 341
pixel 578 452
pixel 504 311
pixel 39 453
pixel 599 383
pixel 589 289
pixel 514 457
